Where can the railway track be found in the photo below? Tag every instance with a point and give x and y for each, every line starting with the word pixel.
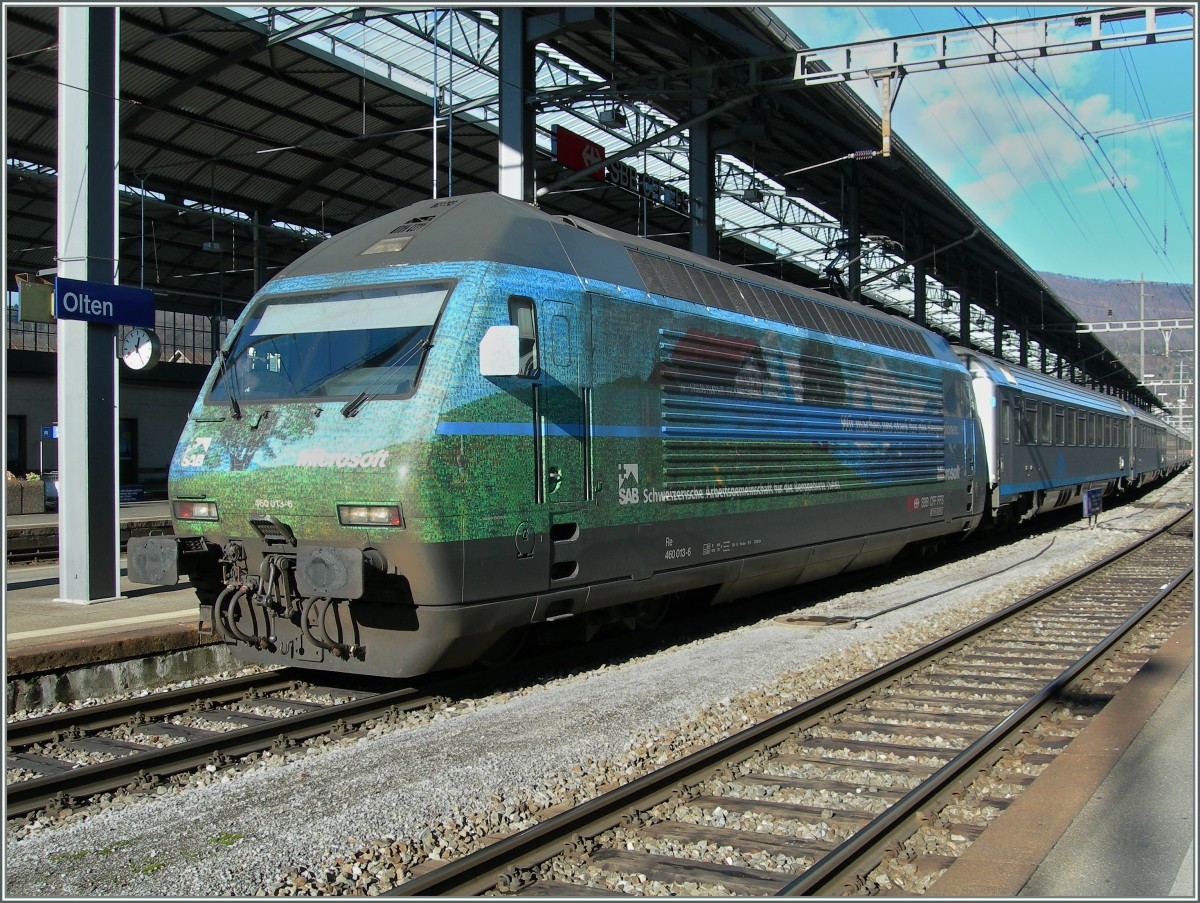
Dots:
pixel 144 741
pixel 874 787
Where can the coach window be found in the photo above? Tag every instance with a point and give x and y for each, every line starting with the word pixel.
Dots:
pixel 521 314
pixel 1029 431
pixel 1070 426
pixel 1060 425
pixel 1047 436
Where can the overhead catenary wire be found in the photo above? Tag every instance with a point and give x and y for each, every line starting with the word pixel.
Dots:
pixel 1095 150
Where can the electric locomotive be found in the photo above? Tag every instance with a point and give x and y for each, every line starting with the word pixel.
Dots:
pixel 469 417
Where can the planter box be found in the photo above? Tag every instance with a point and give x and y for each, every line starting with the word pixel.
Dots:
pixel 33 496
pixel 13 500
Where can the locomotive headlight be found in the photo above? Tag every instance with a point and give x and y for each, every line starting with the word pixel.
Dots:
pixel 196 510
pixel 370 515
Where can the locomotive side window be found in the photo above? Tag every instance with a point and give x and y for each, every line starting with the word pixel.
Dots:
pixel 1060 425
pixel 521 314
pixel 1047 424
pixel 1005 422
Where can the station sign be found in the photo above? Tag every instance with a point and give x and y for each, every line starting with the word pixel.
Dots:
pixel 575 152
pixel 96 302
pixel 578 153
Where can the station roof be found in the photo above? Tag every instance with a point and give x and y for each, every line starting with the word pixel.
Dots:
pixel 233 125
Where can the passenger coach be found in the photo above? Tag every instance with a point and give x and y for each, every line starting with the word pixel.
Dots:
pixel 1047 441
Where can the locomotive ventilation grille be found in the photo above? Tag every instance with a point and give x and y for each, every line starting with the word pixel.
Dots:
pixel 679 280
pixel 736 414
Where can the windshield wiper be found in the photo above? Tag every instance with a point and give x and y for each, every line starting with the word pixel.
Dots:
pixel 227 381
pixel 350 408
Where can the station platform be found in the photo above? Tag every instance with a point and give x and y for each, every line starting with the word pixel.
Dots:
pixel 44 635
pixel 1112 817
pixel 34 533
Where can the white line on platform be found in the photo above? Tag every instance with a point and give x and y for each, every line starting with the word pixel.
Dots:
pixel 76 628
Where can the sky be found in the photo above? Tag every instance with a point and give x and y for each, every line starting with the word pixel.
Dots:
pixel 1035 154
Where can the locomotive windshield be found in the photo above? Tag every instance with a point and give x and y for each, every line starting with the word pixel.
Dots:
pixel 332 344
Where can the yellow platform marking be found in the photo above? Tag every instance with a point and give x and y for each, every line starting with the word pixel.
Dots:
pixel 191 613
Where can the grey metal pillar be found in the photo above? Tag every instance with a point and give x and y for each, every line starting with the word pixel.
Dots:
pixel 920 289
pixel 701 170
pixel 88 63
pixel 854 228
pixel 964 309
pixel 516 152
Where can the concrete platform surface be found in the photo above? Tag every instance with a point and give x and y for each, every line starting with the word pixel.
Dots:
pixel 43 634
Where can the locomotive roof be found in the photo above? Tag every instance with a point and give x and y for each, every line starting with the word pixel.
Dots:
pixel 487 226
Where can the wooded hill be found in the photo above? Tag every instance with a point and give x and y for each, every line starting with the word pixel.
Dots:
pixel 1098 301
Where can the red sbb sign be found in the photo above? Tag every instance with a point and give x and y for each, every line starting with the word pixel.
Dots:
pixel 578 153
pixel 575 151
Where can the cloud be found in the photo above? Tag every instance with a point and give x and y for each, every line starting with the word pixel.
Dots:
pixel 1021 149
pixel 993 197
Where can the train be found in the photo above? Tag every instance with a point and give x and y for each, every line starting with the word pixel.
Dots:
pixel 469 419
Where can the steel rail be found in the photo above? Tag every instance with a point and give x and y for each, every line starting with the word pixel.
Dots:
pixel 480 870
pixel 830 875
pixel 169 702
pixel 28 796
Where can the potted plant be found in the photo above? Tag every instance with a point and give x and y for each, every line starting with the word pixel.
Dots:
pixel 13 488
pixel 33 494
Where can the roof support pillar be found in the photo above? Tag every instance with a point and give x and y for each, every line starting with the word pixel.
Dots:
pixel 920 287
pixel 964 308
pixel 854 238
pixel 516 152
pixel 88 85
pixel 260 253
pixel 701 167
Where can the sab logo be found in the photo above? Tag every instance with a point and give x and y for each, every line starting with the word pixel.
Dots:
pixel 194 456
pixel 627 483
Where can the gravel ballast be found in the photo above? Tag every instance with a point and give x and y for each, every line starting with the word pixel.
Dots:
pixel 356 815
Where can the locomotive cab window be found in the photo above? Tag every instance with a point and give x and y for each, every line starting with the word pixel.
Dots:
pixel 336 344
pixel 522 314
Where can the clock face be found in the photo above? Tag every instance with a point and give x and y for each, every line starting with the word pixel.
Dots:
pixel 140 348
